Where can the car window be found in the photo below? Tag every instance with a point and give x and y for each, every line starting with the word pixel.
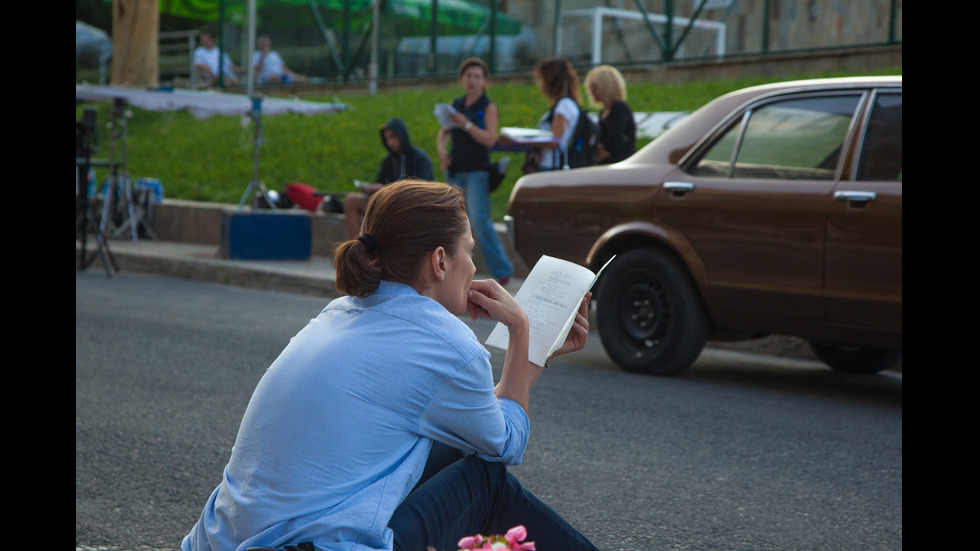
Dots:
pixel 881 152
pixel 796 139
pixel 717 160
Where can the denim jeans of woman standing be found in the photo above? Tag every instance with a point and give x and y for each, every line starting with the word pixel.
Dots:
pixel 476 186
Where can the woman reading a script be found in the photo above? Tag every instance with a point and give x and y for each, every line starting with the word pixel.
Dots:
pixel 379 426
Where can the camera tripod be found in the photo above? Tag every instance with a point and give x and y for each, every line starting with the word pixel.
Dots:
pixel 84 133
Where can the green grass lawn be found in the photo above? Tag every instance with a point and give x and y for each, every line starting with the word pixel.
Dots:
pixel 213 159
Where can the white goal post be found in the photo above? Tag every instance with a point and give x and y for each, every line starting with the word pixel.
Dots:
pixel 597 15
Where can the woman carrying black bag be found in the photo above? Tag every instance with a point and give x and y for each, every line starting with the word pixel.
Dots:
pixel 558 83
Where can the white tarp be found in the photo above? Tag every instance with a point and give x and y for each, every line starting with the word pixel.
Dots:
pixel 201 104
pixel 93 47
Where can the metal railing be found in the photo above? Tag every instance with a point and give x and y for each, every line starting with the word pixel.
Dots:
pixel 176 61
pixel 350 40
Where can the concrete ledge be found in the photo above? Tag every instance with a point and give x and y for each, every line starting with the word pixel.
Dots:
pixel 188 221
pixel 328 232
pixel 201 223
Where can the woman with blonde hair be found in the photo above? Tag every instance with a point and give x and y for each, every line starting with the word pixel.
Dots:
pixel 617 127
pixel 379 426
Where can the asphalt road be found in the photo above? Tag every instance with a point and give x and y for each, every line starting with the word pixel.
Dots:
pixel 741 451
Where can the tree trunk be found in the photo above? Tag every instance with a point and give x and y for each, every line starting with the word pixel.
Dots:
pixel 136 43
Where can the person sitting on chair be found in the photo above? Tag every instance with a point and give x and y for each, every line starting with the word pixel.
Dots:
pixel 269 66
pixel 207 57
pixel 404 160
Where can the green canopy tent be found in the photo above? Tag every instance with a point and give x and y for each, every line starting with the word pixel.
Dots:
pixel 408 17
pixel 199 10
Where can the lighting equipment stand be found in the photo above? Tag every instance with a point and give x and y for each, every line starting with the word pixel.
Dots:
pixel 256 186
pixel 122 181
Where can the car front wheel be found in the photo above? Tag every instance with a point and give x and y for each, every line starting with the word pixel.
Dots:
pixel 856 359
pixel 650 317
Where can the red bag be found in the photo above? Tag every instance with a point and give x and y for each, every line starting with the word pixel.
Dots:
pixel 303 195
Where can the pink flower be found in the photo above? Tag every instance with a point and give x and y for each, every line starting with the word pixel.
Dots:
pixel 515 536
pixel 471 542
pixel 512 541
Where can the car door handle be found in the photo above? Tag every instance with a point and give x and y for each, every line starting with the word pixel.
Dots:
pixel 855 196
pixel 678 189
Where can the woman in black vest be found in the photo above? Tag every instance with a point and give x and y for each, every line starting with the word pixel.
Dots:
pixel 467 163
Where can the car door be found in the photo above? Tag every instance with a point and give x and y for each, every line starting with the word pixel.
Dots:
pixel 864 232
pixel 754 201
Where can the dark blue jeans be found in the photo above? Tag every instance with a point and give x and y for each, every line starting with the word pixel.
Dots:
pixel 463 496
pixel 476 187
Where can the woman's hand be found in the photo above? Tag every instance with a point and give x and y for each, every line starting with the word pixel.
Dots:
pixel 460 119
pixel 488 299
pixel 580 329
pixel 601 154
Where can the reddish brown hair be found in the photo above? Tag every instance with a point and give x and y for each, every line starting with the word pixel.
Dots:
pixel 406 220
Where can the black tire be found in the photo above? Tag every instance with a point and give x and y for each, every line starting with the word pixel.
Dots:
pixel 651 319
pixel 855 358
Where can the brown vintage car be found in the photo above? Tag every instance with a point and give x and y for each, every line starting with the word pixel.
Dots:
pixel 775 209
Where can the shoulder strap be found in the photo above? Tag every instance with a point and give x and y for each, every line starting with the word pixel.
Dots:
pixel 558 156
pixel 583 130
pixel 562 153
pixel 551 112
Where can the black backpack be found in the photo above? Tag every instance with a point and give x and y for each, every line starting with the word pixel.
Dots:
pixel 584 143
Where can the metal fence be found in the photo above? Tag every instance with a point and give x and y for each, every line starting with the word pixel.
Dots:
pixel 347 40
pixel 686 30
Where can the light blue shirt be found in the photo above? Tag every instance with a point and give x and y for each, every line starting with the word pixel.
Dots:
pixel 339 427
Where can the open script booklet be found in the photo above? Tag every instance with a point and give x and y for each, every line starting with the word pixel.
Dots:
pixel 444 112
pixel 550 295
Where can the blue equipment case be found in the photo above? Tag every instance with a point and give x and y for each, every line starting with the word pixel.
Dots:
pixel 266 235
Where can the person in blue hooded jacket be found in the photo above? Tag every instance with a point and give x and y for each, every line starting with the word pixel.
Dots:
pixel 404 160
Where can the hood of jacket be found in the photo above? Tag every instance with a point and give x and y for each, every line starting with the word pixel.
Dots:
pixel 397 126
